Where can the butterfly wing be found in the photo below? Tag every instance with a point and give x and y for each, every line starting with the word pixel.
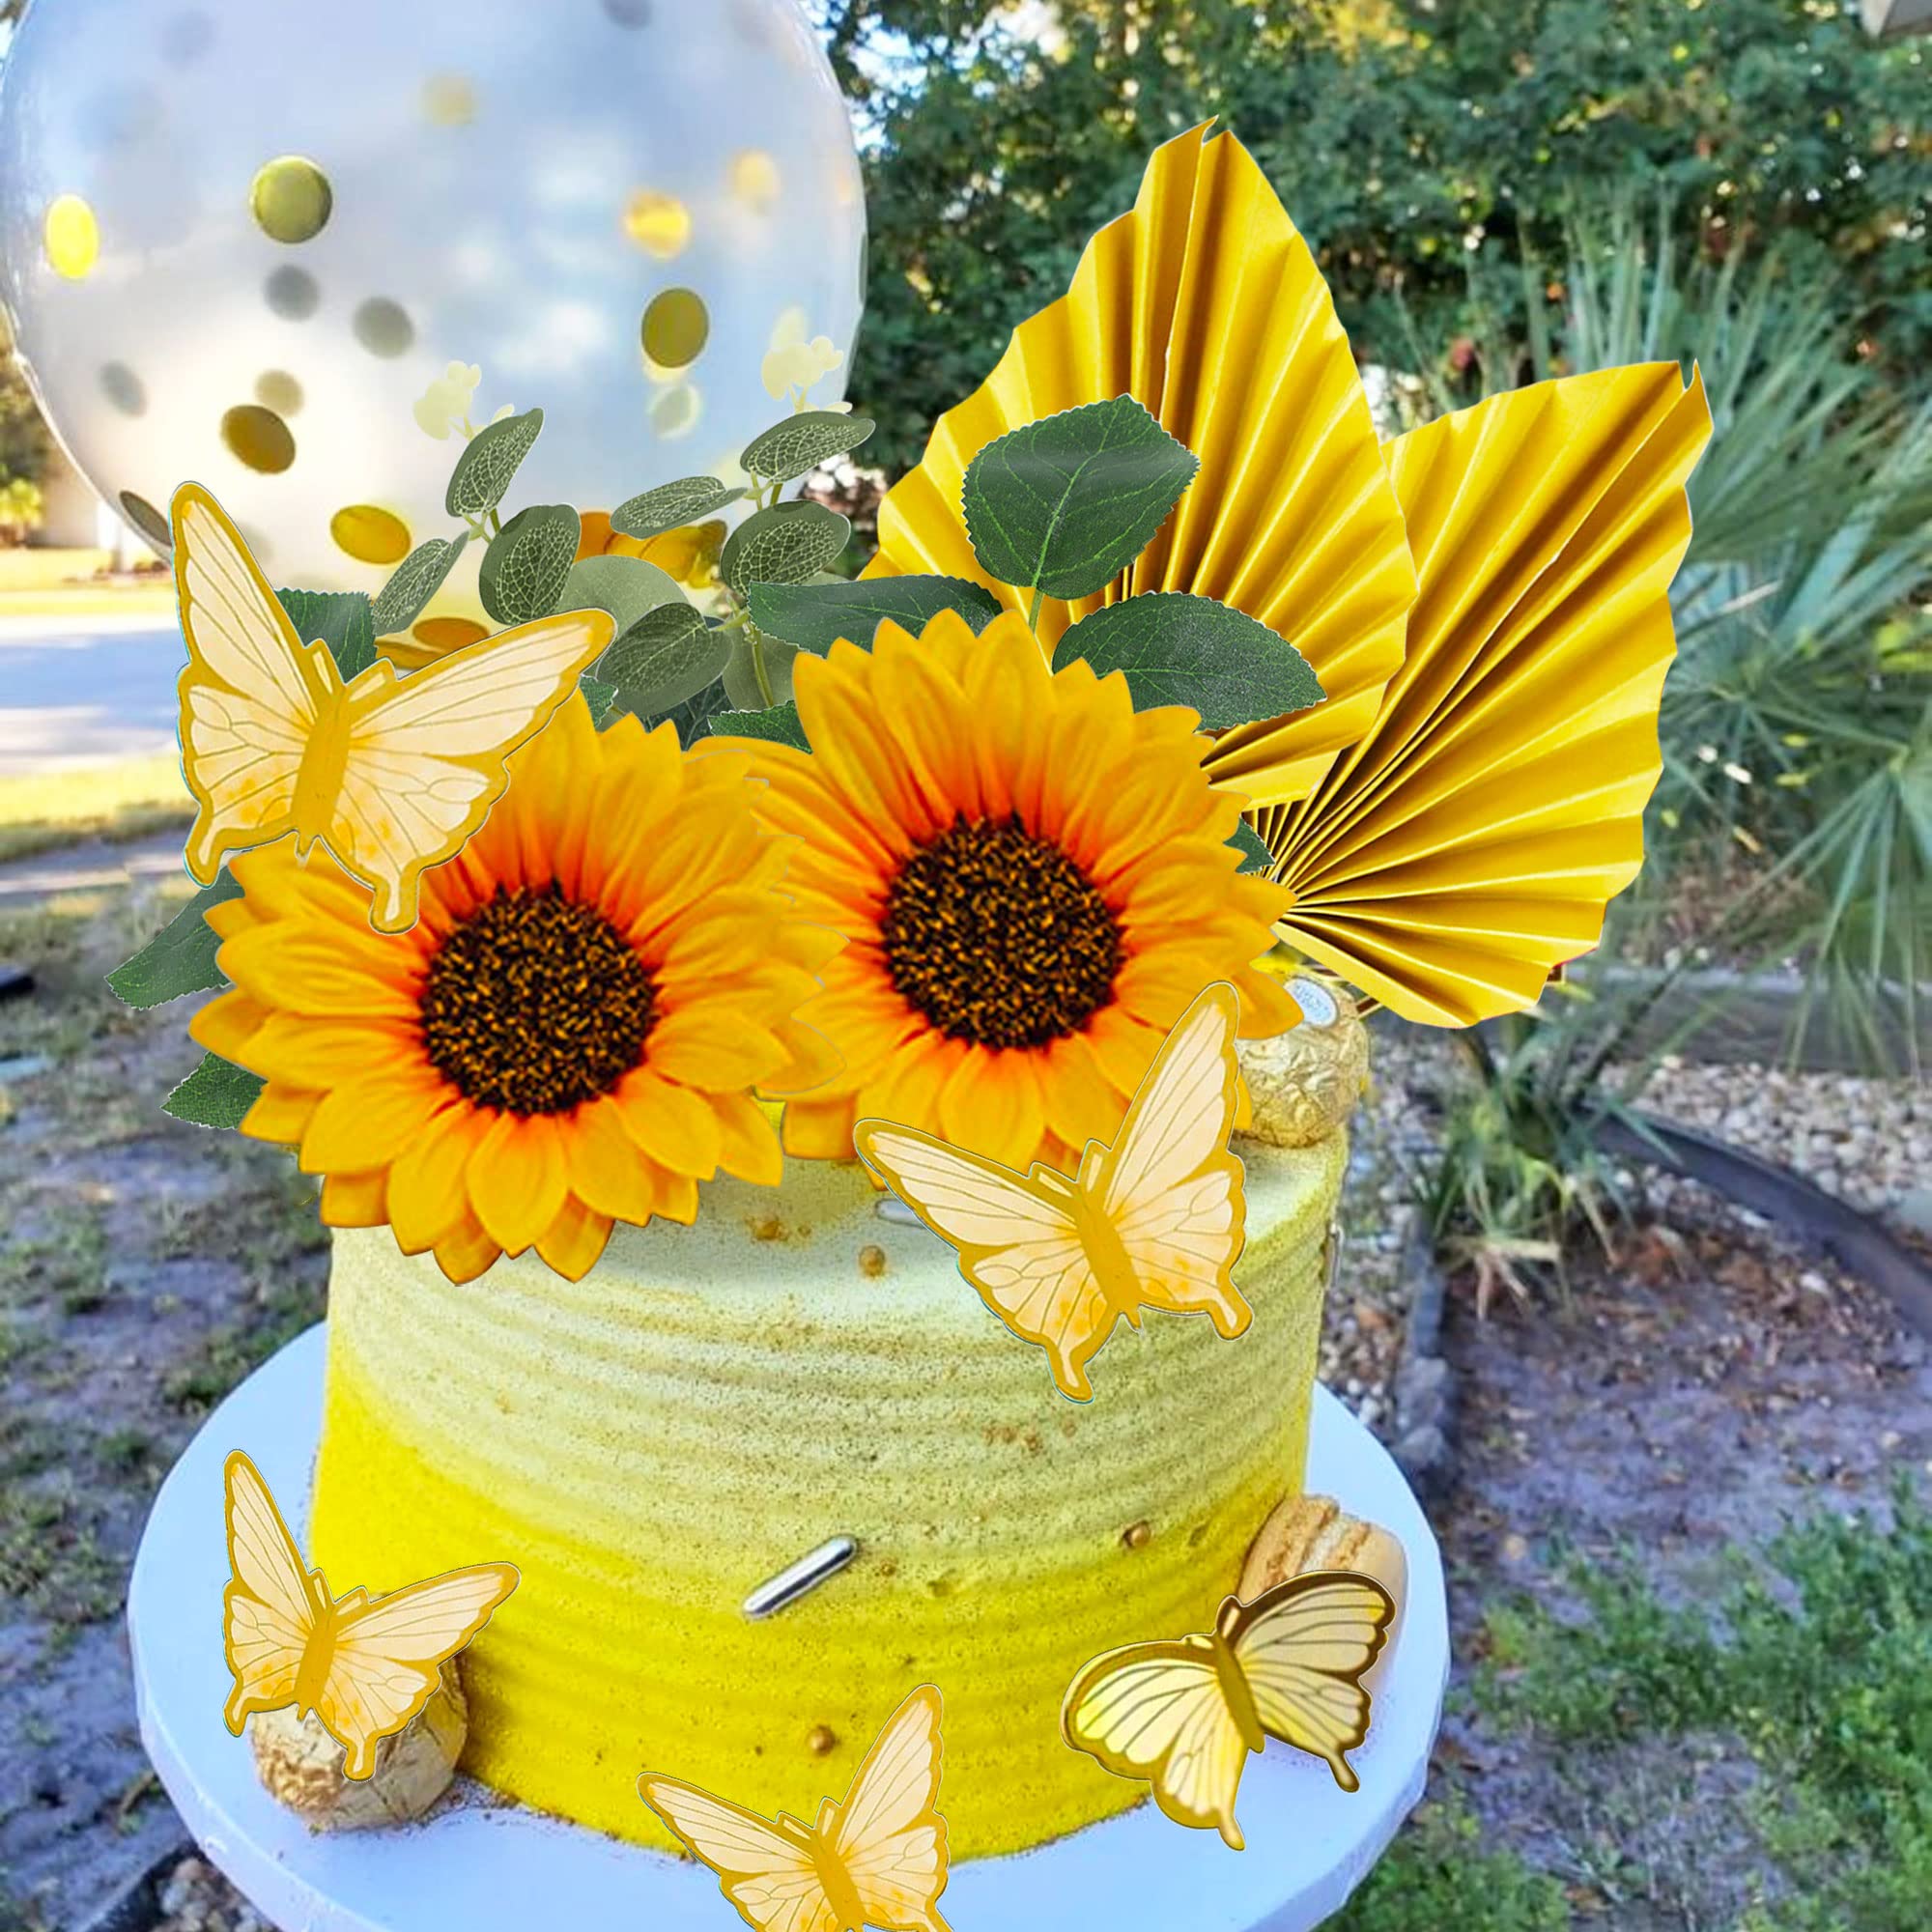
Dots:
pixel 269 1608
pixel 1303 1647
pixel 1169 1186
pixel 771 1879
pixel 889 1838
pixel 1018 1242
pixel 250 696
pixel 1157 1712
pixel 425 758
pixel 386 1657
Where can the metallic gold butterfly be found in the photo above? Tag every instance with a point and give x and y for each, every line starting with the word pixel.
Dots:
pixel 879 1859
pixel 1157 1220
pixel 364 1666
pixel 392 774
pixel 1185 1714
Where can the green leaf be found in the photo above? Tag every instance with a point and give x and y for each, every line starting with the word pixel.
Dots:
pixel 693 717
pixel 601 698
pixel 489 461
pixel 668 655
pixel 803 441
pixel 1180 649
pixel 215 1094
pixel 671 505
pixel 626 586
pixel 179 958
pixel 416 579
pixel 1253 849
pixel 815 616
pixel 782 545
pixel 741 675
pixel 779 724
pixel 337 618
pixel 525 568
pixel 1064 504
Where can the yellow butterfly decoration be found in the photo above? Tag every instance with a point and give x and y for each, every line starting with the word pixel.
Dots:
pixel 1157 1220
pixel 364 1666
pixel 1184 1715
pixel 879 1859
pixel 393 774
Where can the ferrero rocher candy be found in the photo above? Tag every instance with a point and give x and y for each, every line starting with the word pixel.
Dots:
pixel 1304 1082
pixel 302 1765
pixel 1305 1533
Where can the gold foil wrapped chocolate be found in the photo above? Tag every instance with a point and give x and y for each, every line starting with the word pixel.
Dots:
pixel 1305 1083
pixel 301 1764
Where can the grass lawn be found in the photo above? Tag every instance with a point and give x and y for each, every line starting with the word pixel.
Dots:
pixel 44 810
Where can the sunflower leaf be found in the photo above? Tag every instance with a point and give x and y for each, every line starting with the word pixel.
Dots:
pixel 779 724
pixel 489 461
pixel 415 581
pixel 801 442
pixel 815 616
pixel 1253 849
pixel 601 698
pixel 1064 504
pixel 782 545
pixel 671 505
pixel 179 958
pixel 1180 649
pixel 216 1095
pixel 525 568
pixel 667 655
pixel 337 618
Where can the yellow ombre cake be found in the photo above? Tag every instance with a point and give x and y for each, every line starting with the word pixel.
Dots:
pixel 708 1404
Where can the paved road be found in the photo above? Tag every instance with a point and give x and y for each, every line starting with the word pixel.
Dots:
pixel 85 692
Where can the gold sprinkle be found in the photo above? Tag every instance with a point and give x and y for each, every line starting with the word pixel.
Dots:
pixel 676 327
pixel 660 224
pixel 821 1741
pixel 71 236
pixel 447 634
pixel 768 1228
pixel 871 1261
pixel 754 178
pixel 276 389
pixel 147 519
pixel 369 534
pixel 291 199
pixel 1136 1536
pixel 258 438
pixel 448 100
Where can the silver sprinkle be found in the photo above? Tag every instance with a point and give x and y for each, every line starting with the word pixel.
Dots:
pixel 1332 1257
pixel 803 1576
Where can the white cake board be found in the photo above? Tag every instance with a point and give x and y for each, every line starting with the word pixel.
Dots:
pixel 502 1868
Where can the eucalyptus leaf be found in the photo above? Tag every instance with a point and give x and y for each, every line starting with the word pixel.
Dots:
pixel 1180 649
pixel 179 958
pixel 337 618
pixel 626 586
pixel 1253 849
pixel 217 1094
pixel 815 616
pixel 490 459
pixel 668 655
pixel 695 715
pixel 671 505
pixel 525 568
pixel 779 724
pixel 601 698
pixel 801 442
pixel 416 579
pixel 1064 504
pixel 782 545
pixel 741 673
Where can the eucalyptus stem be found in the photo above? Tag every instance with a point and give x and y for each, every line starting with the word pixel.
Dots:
pixel 759 665
pixel 1033 609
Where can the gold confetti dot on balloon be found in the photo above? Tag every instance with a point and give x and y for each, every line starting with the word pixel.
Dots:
pixel 675 412
pixel 71 236
pixel 292 293
pixel 383 326
pixel 125 389
pixel 291 199
pixel 147 519
pixel 276 389
pixel 755 178
pixel 677 328
pixel 258 438
pixel 448 100
pixel 370 534
pixel 660 224
pixel 447 634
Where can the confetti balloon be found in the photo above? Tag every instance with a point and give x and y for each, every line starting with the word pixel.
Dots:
pixel 271 250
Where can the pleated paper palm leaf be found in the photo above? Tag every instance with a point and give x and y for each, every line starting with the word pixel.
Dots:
pixel 1468 841
pixel 1205 306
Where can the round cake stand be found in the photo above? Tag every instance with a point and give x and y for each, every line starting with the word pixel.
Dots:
pixel 489 1866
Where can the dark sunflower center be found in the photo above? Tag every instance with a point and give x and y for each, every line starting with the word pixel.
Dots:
pixel 535 1004
pixel 998 937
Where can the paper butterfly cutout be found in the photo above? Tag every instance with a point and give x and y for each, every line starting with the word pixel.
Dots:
pixel 1157 1220
pixel 364 1666
pixel 880 1860
pixel 1184 1715
pixel 393 774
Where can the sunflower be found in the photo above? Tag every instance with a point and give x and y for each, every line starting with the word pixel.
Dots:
pixel 570 1034
pixel 1031 878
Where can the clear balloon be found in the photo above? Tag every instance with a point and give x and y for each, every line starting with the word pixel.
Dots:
pixel 264 247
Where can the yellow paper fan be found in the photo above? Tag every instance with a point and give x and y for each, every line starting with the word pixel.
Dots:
pixel 1205 306
pixel 1471 840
